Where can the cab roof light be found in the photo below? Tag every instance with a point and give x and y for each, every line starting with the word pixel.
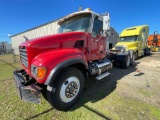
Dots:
pixel 87 9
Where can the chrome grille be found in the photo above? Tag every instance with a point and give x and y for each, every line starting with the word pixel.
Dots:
pixel 23 56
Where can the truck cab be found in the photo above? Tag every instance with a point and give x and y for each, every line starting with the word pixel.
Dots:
pixel 131 45
pixel 91 24
pixel 59 63
pixel 134 38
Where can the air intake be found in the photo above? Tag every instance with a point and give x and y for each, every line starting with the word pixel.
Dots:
pixel 79 44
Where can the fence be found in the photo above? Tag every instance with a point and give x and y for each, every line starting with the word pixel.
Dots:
pixel 10 58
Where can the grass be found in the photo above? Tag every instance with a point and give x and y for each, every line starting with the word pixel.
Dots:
pixel 102 100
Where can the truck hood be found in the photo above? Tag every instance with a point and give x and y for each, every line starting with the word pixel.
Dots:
pixel 128 45
pixel 52 42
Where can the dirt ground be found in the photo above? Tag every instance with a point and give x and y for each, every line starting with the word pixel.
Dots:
pixel 140 82
pixel 144 74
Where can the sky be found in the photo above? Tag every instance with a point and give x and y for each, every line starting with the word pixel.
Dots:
pixel 20 15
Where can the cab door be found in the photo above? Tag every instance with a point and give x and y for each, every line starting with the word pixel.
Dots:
pixel 142 41
pixel 140 45
pixel 98 42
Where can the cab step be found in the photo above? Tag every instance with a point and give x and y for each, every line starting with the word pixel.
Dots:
pixel 102 76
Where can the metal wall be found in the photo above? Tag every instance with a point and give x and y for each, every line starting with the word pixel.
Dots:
pixel 46 29
pixel 112 39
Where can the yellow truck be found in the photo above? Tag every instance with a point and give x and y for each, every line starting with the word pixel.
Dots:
pixel 132 44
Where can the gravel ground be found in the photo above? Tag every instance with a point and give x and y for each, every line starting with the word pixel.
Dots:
pixel 140 82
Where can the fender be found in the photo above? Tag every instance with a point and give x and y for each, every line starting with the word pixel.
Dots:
pixel 58 59
pixel 54 72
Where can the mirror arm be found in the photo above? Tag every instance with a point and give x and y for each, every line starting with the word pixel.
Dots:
pixel 103 34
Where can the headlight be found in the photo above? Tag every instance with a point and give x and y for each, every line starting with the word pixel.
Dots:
pixel 123 49
pixel 120 48
pixel 38 72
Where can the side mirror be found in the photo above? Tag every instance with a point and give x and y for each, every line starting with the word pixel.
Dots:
pixel 106 22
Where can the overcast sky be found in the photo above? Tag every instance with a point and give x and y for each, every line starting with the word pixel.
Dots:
pixel 19 15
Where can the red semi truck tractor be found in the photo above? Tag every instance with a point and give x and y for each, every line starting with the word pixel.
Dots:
pixel 58 64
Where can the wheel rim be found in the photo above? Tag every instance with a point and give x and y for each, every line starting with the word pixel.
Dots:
pixel 128 60
pixel 69 89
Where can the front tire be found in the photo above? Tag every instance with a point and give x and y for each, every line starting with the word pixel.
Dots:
pixel 133 59
pixel 68 87
pixel 125 64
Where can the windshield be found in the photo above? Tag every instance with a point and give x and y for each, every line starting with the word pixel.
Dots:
pixel 76 23
pixel 128 39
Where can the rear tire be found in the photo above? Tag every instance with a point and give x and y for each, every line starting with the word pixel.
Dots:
pixel 68 87
pixel 125 64
pixel 147 51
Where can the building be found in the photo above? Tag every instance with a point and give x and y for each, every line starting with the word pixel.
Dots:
pixel 5 48
pixel 48 29
pixel 113 38
pixel 42 30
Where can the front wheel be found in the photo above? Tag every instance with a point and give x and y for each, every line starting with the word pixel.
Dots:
pixel 125 64
pixel 68 87
pixel 133 59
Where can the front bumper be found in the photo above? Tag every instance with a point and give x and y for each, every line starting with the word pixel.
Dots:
pixel 29 93
pixel 116 55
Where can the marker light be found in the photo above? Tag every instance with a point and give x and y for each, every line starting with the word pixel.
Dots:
pixel 87 9
pixel 41 72
pixel 38 72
